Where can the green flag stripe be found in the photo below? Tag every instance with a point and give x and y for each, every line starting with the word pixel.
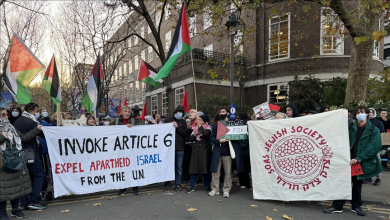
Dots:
pixel 150 81
pixel 23 81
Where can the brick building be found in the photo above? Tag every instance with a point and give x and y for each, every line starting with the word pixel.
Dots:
pixel 285 44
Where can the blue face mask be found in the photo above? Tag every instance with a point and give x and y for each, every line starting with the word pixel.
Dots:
pixel 361 117
pixel 178 115
pixel 36 115
pixel 15 114
pixel 45 114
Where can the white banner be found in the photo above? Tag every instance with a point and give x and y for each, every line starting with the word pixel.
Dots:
pixel 92 159
pixel 304 158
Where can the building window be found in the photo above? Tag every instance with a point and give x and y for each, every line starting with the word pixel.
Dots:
pixel 136 62
pixel 167 11
pixel 150 54
pixel 277 94
pixel 375 53
pixel 116 94
pixel 143 90
pixel 208 51
pixel 125 92
pixel 135 40
pixel 149 30
pixel 179 93
pixel 164 104
pixel 130 66
pixel 154 104
pixel 125 69
pixel 143 32
pixel 158 17
pixel 129 42
pixel 115 72
pixel 120 94
pixel 167 41
pixel 143 55
pixel 120 73
pixel 237 43
pixel 137 91
pixel 332 42
pixel 131 92
pixel 206 19
pixel 279 37
pixel 192 26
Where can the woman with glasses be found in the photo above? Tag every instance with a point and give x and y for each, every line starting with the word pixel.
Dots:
pixel 18 184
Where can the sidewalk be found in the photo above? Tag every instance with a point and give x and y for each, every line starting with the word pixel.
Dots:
pixel 377 194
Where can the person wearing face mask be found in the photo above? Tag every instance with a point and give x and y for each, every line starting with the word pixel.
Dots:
pixel 25 124
pixel 292 111
pixel 16 113
pixel 365 143
pixel 106 121
pixel 181 132
pixel 222 155
pixel 44 115
pixel 13 185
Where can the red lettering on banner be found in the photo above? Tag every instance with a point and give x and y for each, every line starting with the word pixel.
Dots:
pixel 67 168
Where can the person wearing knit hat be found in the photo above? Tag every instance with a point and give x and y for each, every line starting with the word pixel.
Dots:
pixel 201 153
pixel 205 118
pixel 200 113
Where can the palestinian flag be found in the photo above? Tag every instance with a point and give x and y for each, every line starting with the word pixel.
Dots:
pixel 20 68
pixel 144 113
pixel 51 82
pixel 146 74
pixel 180 44
pixel 92 93
pixel 184 103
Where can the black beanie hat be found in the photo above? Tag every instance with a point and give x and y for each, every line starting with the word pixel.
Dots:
pixel 205 118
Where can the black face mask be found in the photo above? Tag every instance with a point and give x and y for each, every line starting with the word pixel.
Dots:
pixel 222 116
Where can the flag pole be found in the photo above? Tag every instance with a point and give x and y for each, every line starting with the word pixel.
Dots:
pixel 193 75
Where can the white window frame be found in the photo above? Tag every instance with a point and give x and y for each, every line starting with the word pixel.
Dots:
pixel 237 42
pixel 164 100
pixel 168 39
pixel 143 86
pixel 137 90
pixel 125 92
pixel 125 69
pixel 143 32
pixel 131 92
pixel 192 27
pixel 129 43
pixel 207 22
pixel 279 85
pixel 322 36
pixel 120 94
pixel 375 52
pixel 143 55
pixel 154 100
pixel 178 102
pixel 135 40
pixel 150 54
pixel 269 39
pixel 136 62
pixel 149 30
pixel 120 73
pixel 130 66
pixel 167 11
pixel 158 18
pixel 210 48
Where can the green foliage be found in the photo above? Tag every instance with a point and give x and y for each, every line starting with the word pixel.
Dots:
pixel 312 94
pixel 208 104
pixel 378 88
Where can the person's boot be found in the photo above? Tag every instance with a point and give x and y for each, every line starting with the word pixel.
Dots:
pixel 377 182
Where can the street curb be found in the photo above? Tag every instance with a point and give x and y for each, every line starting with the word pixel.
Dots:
pixel 375 201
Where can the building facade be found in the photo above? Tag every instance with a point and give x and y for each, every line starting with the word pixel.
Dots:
pixel 281 45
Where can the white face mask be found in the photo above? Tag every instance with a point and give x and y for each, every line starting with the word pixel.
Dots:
pixel 45 114
pixel 106 123
pixel 361 117
pixel 15 114
pixel 36 115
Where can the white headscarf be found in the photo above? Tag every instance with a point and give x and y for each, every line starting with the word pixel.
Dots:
pixel 13 136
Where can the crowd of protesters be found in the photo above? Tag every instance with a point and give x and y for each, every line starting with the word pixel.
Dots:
pixel 199 155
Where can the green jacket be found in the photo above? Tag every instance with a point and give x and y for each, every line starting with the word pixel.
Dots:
pixel 15 185
pixel 370 143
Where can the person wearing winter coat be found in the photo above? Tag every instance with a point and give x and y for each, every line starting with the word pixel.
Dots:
pixel 18 184
pixel 365 143
pixel 201 153
pixel 384 120
pixel 181 131
pixel 16 113
pixel 44 115
pixel 222 155
pixel 292 111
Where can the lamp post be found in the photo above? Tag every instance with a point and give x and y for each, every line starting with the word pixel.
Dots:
pixel 242 84
pixel 232 22
pixel 106 91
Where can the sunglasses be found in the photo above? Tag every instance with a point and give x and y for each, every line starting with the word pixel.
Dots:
pixel 3 115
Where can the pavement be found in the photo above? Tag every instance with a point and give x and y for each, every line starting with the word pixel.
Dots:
pixel 377 194
pixel 153 203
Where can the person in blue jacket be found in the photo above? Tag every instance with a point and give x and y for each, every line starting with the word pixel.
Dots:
pixel 222 155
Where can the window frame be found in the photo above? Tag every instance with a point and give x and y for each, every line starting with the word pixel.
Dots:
pixel 154 111
pixel 278 89
pixel 322 19
pixel 207 14
pixel 168 42
pixel 142 29
pixel 137 90
pixel 131 92
pixel 136 62
pixel 192 26
pixel 164 100
pixel 130 66
pixel 269 38
pixel 150 54
pixel 143 55
pixel 209 56
pixel 182 87
pixel 376 47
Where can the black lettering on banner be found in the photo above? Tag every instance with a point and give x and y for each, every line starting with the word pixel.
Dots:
pixel 68 143
pixel 97 146
pixel 138 175
pixel 138 142
pixel 167 143
pixel 118 176
pixel 142 139
pixel 117 144
pixel 104 144
pixel 89 180
pixel 78 144
pixel 60 146
pixel 149 141
pixel 89 140
pixel 133 137
pixel 154 140
pixel 82 180
pixel 125 142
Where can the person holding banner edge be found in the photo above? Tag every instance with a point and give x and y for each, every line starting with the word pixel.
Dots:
pixel 365 143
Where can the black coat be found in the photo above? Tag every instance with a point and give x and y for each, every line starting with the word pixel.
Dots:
pixel 201 152
pixel 377 124
pixel 181 130
pixel 12 119
pixel 386 124
pixel 25 125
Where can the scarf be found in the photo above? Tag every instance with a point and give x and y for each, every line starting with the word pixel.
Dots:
pixel 5 126
pixel 30 116
pixel 205 126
